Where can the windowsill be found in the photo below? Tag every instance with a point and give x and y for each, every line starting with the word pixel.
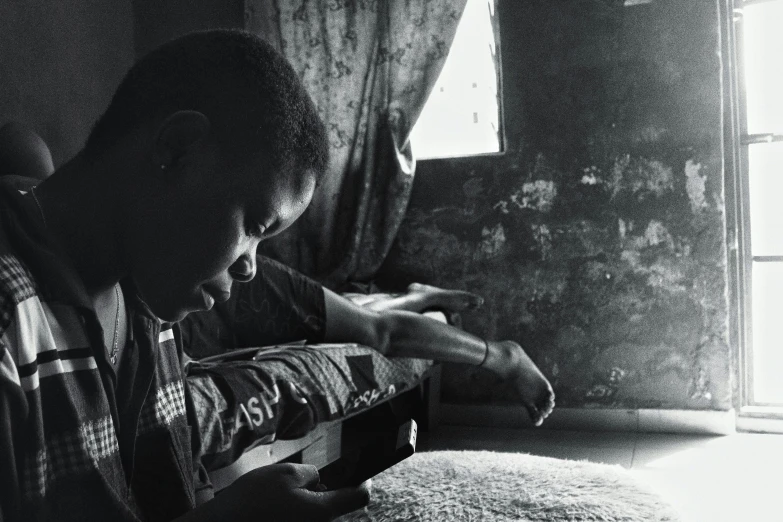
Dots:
pixel 762 412
pixel 464 156
pixel 760 420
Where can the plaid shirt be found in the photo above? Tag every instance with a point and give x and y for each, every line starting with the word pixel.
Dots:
pixel 77 440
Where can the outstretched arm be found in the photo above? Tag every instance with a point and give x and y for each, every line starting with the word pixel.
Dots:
pixel 281 305
pixel 399 333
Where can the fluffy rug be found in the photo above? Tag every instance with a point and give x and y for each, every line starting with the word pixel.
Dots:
pixel 447 486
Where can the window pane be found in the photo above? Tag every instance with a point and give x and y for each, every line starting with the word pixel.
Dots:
pixel 763 55
pixel 767 332
pixel 461 116
pixel 766 198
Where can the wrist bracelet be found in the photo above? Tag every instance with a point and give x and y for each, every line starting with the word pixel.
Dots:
pixel 486 353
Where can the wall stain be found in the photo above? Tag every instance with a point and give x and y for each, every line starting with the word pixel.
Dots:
pixel 492 240
pixel 695 185
pixel 641 176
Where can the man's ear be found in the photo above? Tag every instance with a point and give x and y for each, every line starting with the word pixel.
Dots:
pixel 177 135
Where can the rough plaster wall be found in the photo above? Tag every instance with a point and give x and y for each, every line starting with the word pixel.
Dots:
pixel 60 61
pixel 598 238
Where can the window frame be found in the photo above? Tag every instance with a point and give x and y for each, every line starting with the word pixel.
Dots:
pixel 502 143
pixel 737 143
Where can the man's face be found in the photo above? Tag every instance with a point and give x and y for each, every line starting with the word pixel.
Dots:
pixel 199 232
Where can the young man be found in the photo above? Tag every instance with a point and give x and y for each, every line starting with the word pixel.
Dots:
pixel 209 146
pixel 282 306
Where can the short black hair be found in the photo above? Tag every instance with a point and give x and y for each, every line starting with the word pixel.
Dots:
pixel 242 84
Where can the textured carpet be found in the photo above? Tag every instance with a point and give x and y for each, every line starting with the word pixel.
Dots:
pixel 482 485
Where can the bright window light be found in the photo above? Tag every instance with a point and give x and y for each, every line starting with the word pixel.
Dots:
pixel 462 114
pixel 767 304
pixel 763 47
pixel 765 164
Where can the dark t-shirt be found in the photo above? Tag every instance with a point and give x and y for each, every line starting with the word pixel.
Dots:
pixel 278 306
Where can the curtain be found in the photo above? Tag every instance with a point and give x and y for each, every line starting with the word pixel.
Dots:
pixel 369 66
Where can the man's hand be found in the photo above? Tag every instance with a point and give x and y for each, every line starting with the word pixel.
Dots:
pixel 281 492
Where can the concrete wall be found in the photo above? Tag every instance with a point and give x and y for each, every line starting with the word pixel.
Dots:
pixel 159 21
pixel 60 61
pixel 598 239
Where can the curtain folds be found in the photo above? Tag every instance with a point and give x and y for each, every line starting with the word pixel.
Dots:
pixel 369 66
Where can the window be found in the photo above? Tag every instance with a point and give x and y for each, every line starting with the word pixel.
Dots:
pixel 462 114
pixel 756 76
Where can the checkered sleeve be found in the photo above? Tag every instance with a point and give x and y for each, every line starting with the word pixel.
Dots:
pixel 16 285
pixel 203 485
pixel 167 405
pixel 13 408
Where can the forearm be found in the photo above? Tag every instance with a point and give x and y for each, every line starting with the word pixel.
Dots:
pixel 402 334
pixel 417 336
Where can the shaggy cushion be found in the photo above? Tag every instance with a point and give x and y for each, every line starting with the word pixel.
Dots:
pixel 482 485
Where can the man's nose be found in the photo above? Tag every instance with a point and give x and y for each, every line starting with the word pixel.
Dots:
pixel 244 268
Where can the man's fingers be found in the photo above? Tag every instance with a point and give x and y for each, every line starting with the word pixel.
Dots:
pixel 310 476
pixel 345 500
pixel 296 475
pixel 299 483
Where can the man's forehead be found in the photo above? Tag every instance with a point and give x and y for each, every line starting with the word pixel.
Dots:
pixel 288 186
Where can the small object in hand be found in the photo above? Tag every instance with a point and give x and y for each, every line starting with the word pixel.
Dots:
pixel 360 465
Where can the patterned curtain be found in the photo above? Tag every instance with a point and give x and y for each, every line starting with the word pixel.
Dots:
pixel 369 66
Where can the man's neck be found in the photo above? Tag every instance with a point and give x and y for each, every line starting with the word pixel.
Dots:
pixel 80 211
